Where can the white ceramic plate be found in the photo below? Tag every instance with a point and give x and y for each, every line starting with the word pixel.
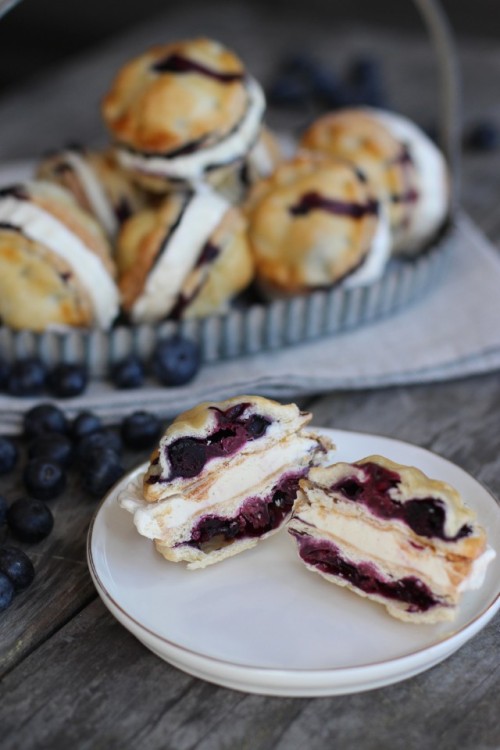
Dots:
pixel 260 622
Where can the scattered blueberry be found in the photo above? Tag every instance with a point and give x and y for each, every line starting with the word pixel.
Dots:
pixel 3 510
pixel 52 447
pixel 8 455
pixel 367 81
pixel 140 430
pixel 483 136
pixel 332 92
pixel 16 565
pixel 27 377
pixel 6 591
pixel 101 470
pixel 102 440
pixel 176 360
pixel 287 90
pixel 30 519
pixel 84 424
pixel 44 479
pixel 67 380
pixel 4 374
pixel 128 373
pixel 42 419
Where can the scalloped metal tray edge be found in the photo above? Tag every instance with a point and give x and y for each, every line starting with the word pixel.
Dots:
pixel 262 327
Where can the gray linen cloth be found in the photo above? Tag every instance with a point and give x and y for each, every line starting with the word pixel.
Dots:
pixel 452 332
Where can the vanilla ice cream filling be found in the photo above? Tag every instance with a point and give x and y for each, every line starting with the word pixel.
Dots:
pixel 96 195
pixel 156 520
pixel 431 208
pixel 191 167
pixel 376 260
pixel 40 226
pixel 200 217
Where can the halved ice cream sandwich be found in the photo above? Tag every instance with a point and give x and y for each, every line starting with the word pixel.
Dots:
pixel 390 533
pixel 224 476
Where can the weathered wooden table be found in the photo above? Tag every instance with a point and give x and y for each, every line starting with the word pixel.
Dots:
pixel 72 676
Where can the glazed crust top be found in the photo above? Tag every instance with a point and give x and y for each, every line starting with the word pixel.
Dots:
pixel 156 107
pixel 357 135
pixel 311 222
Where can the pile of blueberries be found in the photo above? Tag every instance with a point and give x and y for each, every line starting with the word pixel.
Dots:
pixel 52 446
pixel 301 80
pixel 175 361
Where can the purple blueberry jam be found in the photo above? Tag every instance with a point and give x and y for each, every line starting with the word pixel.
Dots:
pixel 409 196
pixel 179 64
pixel 209 254
pixel 257 516
pixel 188 455
pixel 123 210
pixel 313 201
pixel 16 191
pixel 425 516
pixel 9 227
pixel 327 558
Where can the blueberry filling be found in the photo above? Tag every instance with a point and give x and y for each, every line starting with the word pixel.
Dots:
pixel 409 196
pixel 209 253
pixel 188 455
pixel 425 516
pixel 9 227
pixel 123 210
pixel 313 201
pixel 16 191
pixel 327 558
pixel 257 516
pixel 179 64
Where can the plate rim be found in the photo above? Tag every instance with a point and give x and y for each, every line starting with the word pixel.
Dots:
pixel 454 639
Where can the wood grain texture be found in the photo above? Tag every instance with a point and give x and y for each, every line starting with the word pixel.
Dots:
pixel 74 678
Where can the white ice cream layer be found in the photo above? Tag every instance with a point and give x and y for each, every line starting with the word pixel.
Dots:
pixel 41 227
pixel 191 167
pixel 432 205
pixel 374 543
pixel 373 266
pixel 154 520
pixel 163 285
pixel 94 191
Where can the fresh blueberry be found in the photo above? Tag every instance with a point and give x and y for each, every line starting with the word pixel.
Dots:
pixel 8 455
pixel 30 520
pixel 6 591
pixel 44 479
pixel 27 377
pixel 176 360
pixel 16 565
pixel 140 430
pixel 84 424
pixel 4 374
pixel 101 470
pixel 67 380
pixel 483 136
pixel 367 81
pixel 288 90
pixel 128 373
pixel 3 510
pixel 44 418
pixel 52 447
pixel 102 440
